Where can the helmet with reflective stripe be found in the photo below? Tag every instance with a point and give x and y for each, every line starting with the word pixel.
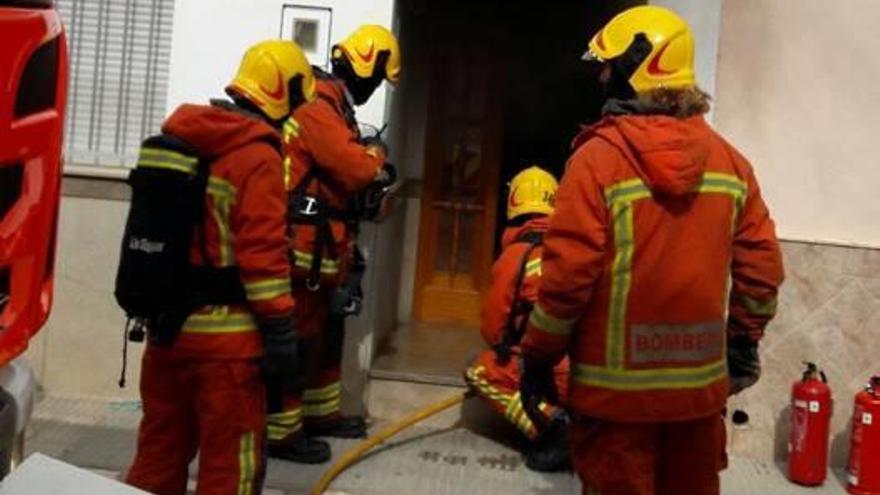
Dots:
pixel 532 191
pixel 274 76
pixel 652 46
pixel 372 51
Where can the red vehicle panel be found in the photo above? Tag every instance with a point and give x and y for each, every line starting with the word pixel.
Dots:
pixel 33 86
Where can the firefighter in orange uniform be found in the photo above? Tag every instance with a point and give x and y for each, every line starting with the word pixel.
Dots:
pixel 204 393
pixel 495 375
pixel 328 164
pixel 654 213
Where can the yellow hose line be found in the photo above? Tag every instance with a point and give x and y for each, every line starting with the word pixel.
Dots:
pixel 356 452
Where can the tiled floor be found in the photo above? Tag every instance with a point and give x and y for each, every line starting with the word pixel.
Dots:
pixel 427 352
pixel 444 458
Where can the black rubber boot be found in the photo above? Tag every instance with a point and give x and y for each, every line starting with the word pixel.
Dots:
pixel 302 449
pixel 550 453
pixel 343 427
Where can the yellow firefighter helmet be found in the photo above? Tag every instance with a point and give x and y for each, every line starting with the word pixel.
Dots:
pixel 665 61
pixel 532 191
pixel 365 47
pixel 275 76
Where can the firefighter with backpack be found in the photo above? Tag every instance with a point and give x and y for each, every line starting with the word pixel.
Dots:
pixel 336 177
pixel 205 273
pixel 495 375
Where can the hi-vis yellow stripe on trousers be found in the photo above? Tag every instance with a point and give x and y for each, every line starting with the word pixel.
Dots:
pixel 247 464
pixel 284 424
pixel 266 289
pixel 512 403
pixel 620 199
pixel 322 402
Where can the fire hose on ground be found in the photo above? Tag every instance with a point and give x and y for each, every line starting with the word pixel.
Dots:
pixel 357 452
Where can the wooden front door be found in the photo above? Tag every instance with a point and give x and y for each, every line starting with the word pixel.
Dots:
pixel 459 197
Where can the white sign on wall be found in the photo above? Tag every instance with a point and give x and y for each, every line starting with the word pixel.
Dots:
pixel 310 27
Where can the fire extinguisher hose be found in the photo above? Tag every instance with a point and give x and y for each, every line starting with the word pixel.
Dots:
pixel 357 452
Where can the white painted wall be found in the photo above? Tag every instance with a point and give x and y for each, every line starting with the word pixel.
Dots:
pixel 798 93
pixel 79 352
pixel 704 17
pixel 210 37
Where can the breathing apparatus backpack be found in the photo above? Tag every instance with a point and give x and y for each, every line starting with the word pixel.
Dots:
pixel 156 284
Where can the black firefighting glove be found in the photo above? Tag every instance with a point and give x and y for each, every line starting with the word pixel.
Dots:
pixel 743 364
pixel 537 385
pixel 280 363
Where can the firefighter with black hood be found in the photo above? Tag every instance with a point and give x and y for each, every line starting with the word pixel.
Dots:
pixel 336 177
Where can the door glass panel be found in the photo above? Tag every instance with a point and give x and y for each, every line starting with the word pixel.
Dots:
pixel 445 234
pixel 464 251
pixel 462 159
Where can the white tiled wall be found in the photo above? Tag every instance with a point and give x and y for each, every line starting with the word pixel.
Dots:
pixel 829 313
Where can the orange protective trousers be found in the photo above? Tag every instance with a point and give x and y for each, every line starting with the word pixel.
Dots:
pixel 498 385
pixel 213 407
pixel 320 338
pixel 675 458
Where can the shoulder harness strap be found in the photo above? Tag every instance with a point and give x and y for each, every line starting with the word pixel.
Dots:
pixel 520 309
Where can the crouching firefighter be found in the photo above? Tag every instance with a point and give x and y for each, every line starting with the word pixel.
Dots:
pixel 327 164
pixel 495 375
pixel 205 273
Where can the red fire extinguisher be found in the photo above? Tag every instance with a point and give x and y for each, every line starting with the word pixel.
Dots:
pixel 811 408
pixel 864 451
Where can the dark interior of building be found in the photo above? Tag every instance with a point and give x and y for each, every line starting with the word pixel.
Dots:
pixel 506 88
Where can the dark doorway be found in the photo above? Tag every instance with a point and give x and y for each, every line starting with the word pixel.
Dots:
pixel 550 91
pixel 489 88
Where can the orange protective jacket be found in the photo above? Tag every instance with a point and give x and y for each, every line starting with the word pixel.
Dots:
pixel 653 216
pixel 244 226
pixel 321 143
pixel 503 290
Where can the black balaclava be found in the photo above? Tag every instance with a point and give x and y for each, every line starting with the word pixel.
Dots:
pixel 361 88
pixel 622 67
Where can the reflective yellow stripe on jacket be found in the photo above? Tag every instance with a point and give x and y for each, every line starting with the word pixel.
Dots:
pixel 533 268
pixel 756 307
pixel 161 158
pixel 264 290
pixel 651 379
pixel 613 375
pixel 548 323
pixel 219 320
pixel 223 196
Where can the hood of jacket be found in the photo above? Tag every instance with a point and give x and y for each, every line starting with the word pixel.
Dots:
pixel 669 153
pixel 218 129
